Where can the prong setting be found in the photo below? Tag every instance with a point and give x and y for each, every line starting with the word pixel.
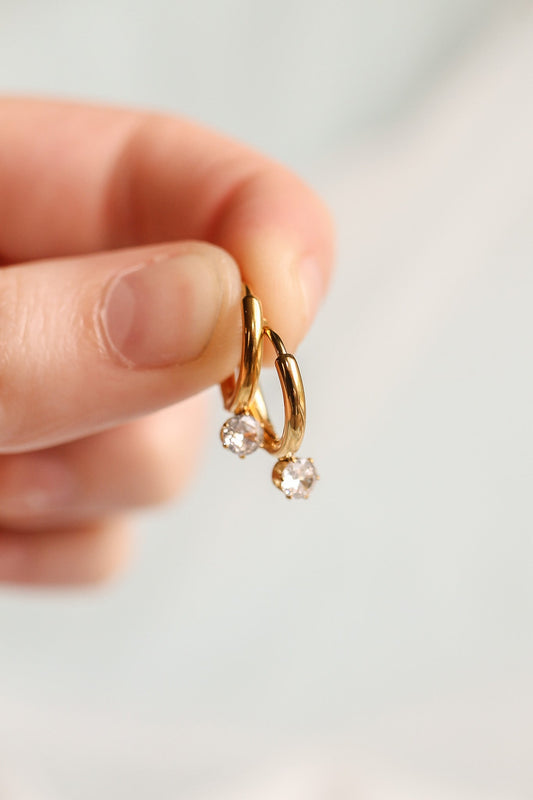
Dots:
pixel 295 477
pixel 242 434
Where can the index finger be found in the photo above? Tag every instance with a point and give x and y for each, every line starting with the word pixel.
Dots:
pixel 78 179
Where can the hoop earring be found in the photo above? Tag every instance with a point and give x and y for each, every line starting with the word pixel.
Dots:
pixel 295 477
pixel 238 392
pixel 293 400
pixel 242 434
pixel 251 427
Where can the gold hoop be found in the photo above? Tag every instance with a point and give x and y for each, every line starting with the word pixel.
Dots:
pixel 293 400
pixel 251 428
pixel 238 392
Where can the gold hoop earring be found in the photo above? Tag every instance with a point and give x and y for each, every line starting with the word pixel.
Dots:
pixel 251 427
pixel 238 392
pixel 295 477
pixel 242 434
pixel 293 401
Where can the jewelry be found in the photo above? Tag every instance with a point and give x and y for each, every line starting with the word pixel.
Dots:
pixel 251 428
pixel 243 433
pixel 239 392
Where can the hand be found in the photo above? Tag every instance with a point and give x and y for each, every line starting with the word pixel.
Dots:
pixel 107 332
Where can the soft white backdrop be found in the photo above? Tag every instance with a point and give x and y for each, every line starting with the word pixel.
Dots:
pixel 375 642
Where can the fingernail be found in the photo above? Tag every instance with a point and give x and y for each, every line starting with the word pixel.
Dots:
pixel 313 284
pixel 163 312
pixel 33 485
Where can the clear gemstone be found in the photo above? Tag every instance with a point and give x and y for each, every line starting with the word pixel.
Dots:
pixel 298 477
pixel 242 434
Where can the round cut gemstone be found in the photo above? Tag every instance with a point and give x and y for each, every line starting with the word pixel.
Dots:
pixel 242 434
pixel 295 477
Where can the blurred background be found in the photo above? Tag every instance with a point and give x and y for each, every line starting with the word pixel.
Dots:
pixel 374 643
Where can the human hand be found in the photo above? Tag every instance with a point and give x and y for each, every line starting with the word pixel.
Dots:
pixel 108 335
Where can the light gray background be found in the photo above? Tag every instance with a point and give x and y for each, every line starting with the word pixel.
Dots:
pixel 375 642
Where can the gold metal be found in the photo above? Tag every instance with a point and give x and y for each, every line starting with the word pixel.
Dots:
pixel 277 471
pixel 243 396
pixel 293 399
pixel 238 392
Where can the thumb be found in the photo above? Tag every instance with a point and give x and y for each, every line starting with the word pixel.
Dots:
pixel 91 342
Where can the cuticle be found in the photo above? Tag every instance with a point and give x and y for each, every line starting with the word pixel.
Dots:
pixel 104 344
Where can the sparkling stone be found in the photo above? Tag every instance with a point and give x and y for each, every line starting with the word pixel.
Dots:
pixel 295 477
pixel 242 434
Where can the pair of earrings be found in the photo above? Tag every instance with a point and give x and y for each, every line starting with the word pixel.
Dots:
pixel 250 427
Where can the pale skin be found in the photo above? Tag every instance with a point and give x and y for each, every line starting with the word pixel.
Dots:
pixel 124 240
